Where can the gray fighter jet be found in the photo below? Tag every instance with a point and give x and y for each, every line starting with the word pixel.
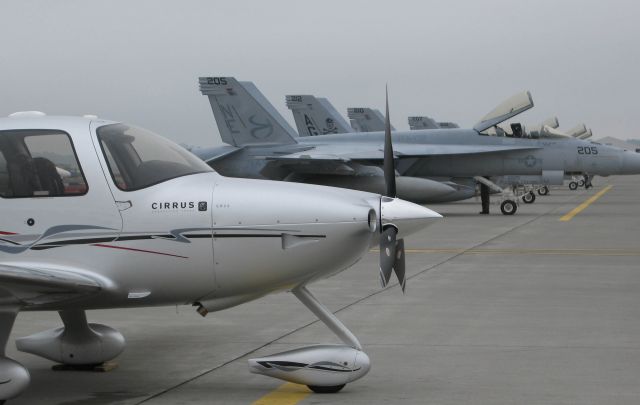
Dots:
pixel 261 144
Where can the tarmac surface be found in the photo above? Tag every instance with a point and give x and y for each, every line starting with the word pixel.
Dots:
pixel 523 309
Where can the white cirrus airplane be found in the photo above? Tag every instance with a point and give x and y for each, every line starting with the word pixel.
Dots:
pixel 100 214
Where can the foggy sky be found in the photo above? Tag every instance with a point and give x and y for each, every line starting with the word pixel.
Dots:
pixel 138 61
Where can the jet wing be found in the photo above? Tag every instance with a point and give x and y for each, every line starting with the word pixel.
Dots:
pixel 325 159
pixel 324 154
pixel 33 285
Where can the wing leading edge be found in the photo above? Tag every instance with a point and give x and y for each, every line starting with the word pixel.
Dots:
pixel 37 285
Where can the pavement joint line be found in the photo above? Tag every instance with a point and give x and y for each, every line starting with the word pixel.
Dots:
pixel 567 217
pixel 359 300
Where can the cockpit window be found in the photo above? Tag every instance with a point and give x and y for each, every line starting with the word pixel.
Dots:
pixel 39 163
pixel 138 158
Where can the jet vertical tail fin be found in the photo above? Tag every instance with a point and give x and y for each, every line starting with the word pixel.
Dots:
pixel 422 122
pixel 316 116
pixel 366 119
pixel 243 114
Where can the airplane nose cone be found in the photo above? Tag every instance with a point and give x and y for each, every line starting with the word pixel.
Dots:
pixel 406 216
pixel 631 163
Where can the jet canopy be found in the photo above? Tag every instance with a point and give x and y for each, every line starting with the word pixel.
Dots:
pixel 138 158
pixel 508 109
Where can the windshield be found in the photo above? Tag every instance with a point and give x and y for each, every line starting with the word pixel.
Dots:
pixel 138 158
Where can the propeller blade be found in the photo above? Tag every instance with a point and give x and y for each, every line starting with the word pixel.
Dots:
pixel 400 265
pixel 389 164
pixel 387 254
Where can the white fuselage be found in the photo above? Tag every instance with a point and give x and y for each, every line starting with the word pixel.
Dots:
pixel 197 238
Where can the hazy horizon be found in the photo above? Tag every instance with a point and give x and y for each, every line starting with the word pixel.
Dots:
pixel 139 61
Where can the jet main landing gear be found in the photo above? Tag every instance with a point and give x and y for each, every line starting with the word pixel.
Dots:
pixel 529 198
pixel 508 205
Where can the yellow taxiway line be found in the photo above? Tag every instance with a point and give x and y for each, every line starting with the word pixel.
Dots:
pixel 545 252
pixel 286 394
pixel 584 205
pixel 518 251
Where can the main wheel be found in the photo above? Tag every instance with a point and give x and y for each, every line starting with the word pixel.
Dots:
pixel 573 185
pixel 326 390
pixel 529 198
pixel 508 207
pixel 543 190
pixel 581 183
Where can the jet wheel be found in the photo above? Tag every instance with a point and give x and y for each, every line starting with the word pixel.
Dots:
pixel 326 390
pixel 529 198
pixel 573 185
pixel 543 190
pixel 508 207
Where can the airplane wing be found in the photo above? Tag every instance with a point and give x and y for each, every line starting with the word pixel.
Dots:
pixel 33 285
pixel 358 153
pixel 328 161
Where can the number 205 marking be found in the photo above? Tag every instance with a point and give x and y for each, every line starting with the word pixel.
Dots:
pixel 587 150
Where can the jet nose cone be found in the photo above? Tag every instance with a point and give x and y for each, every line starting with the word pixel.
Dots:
pixel 631 163
pixel 406 216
